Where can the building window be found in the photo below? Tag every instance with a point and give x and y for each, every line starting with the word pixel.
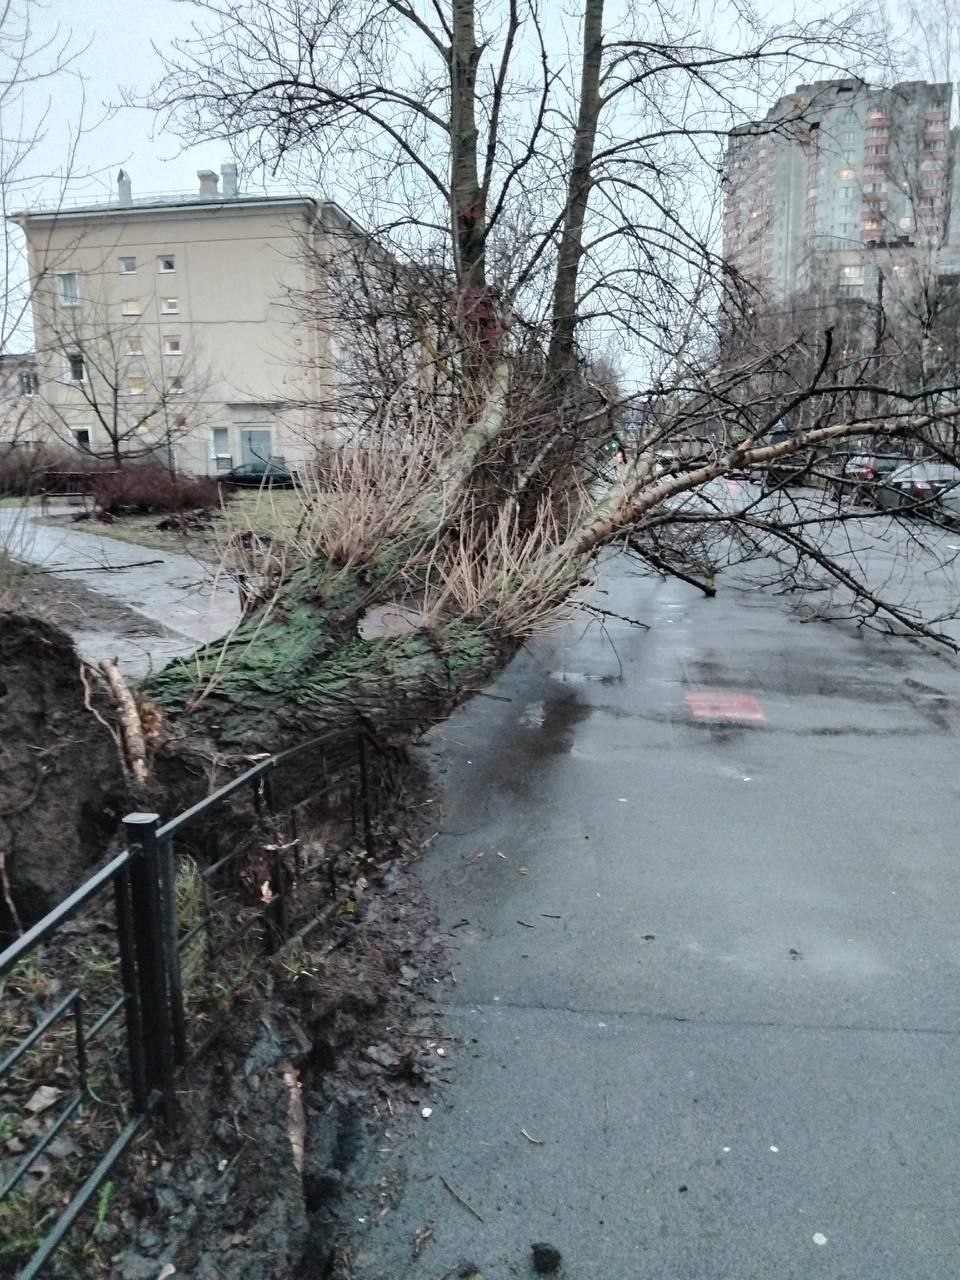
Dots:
pixel 136 385
pixel 176 386
pixel 166 262
pixel 221 448
pixel 171 345
pixel 29 383
pixel 846 193
pixel 169 306
pixel 128 266
pixel 74 369
pixel 852 272
pixel 81 438
pixel 131 306
pixel 134 345
pixel 68 288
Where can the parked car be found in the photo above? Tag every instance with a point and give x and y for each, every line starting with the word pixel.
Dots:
pixel 858 476
pixel 791 469
pixel 257 475
pixel 931 487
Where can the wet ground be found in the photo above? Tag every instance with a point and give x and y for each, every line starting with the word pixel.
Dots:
pixel 702 886
pixel 166 603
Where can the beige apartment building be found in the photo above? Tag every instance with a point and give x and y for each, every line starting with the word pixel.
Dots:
pixel 169 325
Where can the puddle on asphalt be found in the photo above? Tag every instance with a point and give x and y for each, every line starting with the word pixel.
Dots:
pixel 544 729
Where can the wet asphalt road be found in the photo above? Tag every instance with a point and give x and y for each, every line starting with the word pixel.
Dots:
pixel 733 1022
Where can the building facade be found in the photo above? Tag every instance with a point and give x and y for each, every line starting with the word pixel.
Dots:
pixel 836 170
pixel 171 326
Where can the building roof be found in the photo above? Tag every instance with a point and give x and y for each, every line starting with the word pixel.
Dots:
pixel 179 203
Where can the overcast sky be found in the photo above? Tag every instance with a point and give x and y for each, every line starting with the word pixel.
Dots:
pixel 119 35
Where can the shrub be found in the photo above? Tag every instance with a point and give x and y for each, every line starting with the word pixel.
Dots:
pixel 23 467
pixel 149 488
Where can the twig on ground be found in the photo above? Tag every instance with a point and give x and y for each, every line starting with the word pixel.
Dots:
pixel 100 568
pixel 609 613
pixel 537 1142
pixel 8 894
pixel 459 1198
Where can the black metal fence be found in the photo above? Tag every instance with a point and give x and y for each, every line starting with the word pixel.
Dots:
pixel 150 1009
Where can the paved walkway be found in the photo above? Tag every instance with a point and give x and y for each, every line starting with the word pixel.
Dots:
pixel 173 590
pixel 702 887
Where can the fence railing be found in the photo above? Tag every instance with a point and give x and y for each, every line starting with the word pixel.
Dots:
pixel 151 942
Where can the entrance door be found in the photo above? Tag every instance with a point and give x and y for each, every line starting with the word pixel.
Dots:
pixel 255 444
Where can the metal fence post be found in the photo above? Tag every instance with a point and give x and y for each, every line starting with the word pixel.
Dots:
pixel 131 989
pixel 147 900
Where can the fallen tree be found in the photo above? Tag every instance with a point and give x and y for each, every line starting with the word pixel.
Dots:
pixel 497 443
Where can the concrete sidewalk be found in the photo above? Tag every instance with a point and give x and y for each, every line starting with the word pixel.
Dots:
pixel 715 970
pixel 174 590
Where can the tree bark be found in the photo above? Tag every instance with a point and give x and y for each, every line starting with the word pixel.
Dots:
pixel 466 206
pixel 564 311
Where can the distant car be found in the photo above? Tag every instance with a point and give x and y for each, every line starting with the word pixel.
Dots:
pixel 790 469
pixel 931 488
pixel 859 475
pixel 256 475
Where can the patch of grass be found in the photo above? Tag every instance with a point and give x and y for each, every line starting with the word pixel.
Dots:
pixel 275 513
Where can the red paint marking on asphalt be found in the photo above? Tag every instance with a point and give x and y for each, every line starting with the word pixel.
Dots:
pixel 719 704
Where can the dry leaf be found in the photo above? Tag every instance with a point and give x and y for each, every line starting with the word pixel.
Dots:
pixel 43 1098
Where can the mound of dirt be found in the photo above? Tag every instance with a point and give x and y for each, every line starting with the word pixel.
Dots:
pixel 54 747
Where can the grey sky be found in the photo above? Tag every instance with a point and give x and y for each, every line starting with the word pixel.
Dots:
pixel 118 34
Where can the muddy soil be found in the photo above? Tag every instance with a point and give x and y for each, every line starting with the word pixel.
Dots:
pixel 333 1048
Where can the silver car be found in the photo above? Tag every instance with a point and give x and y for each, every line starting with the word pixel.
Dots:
pixel 923 487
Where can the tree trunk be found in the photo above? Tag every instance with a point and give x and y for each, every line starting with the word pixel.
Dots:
pixel 466 204
pixel 564 311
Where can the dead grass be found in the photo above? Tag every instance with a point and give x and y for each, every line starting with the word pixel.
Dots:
pixel 276 513
pixel 506 578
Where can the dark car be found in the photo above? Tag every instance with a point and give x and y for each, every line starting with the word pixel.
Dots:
pixel 257 475
pixel 793 468
pixel 858 476
pixel 931 488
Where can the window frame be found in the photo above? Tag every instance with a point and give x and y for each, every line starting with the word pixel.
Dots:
pixel 166 257
pixel 73 360
pixel 166 309
pixel 123 270
pixel 134 350
pixel 62 299
pixel 131 390
pixel 125 308
pixel 172 337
